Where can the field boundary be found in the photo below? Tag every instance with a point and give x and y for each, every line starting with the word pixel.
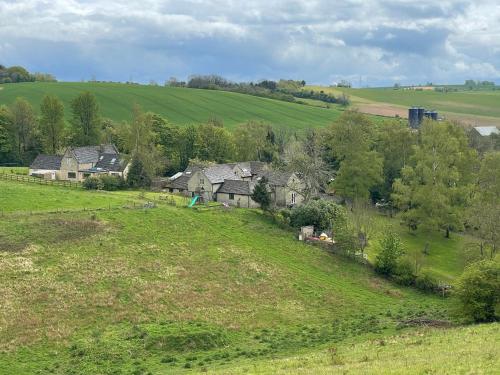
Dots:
pixel 38 181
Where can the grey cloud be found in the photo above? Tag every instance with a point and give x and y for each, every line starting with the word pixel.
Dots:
pixel 317 40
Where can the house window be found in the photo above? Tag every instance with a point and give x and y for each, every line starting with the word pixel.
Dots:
pixel 202 181
pixel 231 196
pixel 85 175
pixel 170 190
pixel 294 198
pixel 71 174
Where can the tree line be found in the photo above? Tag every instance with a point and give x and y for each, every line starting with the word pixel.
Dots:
pixel 286 90
pixel 16 74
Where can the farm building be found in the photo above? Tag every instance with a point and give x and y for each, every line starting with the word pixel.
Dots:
pixel 78 163
pixel 233 184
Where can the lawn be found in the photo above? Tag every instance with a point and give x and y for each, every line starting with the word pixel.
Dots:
pixel 171 288
pixel 179 105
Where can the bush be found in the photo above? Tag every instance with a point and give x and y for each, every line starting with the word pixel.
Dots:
pixel 391 249
pixel 426 282
pixel 320 213
pixel 104 182
pixel 403 273
pixel 112 183
pixel 478 291
pixel 92 183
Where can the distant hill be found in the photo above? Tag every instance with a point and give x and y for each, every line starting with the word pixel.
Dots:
pixel 178 105
pixel 479 107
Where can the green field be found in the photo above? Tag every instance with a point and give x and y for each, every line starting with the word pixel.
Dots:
pixel 171 288
pixel 179 105
pixel 470 350
pixel 483 103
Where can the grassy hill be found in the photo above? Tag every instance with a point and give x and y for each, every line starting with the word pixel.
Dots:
pixel 469 350
pixel 470 107
pixel 179 105
pixel 170 289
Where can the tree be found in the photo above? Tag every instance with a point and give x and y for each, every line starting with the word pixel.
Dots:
pixel 255 141
pixel 5 141
pixel 350 141
pixel 305 159
pixel 358 174
pixel 215 143
pixel 484 213
pixel 137 176
pixel 363 222
pixel 435 186
pixel 187 145
pixel 141 140
pixel 478 291
pixel 390 250
pixel 51 123
pixel 23 130
pixel 85 121
pixel 261 194
pixel 394 143
pixel 320 213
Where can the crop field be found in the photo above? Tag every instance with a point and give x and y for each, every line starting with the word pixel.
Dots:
pixel 171 289
pixel 469 107
pixel 178 105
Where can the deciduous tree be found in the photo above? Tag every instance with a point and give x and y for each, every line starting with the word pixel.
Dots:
pixel 51 123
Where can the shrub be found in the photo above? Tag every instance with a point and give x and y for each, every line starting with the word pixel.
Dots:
pixel 92 183
pixel 320 213
pixel 478 291
pixel 403 273
pixel 137 175
pixel 426 282
pixel 112 183
pixel 391 249
pixel 261 195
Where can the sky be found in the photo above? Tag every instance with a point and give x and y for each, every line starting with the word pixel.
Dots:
pixel 368 42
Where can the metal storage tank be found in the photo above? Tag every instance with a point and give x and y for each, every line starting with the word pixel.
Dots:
pixel 413 118
pixel 434 115
pixel 421 113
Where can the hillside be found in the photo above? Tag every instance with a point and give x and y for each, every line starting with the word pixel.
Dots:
pixel 469 350
pixel 470 107
pixel 166 289
pixel 179 105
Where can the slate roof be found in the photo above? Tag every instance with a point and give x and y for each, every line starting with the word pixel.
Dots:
pixel 49 162
pixel 486 131
pixel 90 154
pixel 236 187
pixel 180 183
pixel 216 174
pixel 252 168
pixel 111 162
pixel 278 178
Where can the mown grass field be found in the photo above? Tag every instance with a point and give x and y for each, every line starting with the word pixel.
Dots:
pixel 469 350
pixel 179 105
pixel 171 289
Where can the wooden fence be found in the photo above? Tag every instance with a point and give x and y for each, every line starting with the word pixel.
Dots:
pixel 37 180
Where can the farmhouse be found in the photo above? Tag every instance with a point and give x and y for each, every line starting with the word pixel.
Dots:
pixel 78 163
pixel 233 184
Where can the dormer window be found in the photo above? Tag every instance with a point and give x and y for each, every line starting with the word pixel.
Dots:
pixel 101 157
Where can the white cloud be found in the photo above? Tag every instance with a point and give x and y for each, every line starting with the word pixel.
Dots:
pixel 318 40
